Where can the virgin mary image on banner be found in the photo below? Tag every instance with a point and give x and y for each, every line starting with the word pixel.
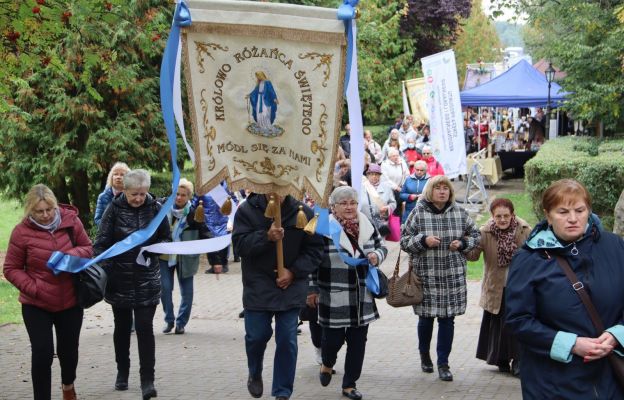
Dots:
pixel 263 103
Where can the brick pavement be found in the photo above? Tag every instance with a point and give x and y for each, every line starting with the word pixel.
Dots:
pixel 208 362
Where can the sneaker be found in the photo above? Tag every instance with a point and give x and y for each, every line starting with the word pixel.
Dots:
pixel 318 356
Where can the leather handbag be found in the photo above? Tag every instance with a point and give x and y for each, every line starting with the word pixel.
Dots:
pixel 90 285
pixel 617 362
pixel 404 290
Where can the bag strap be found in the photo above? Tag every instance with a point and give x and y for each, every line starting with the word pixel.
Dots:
pixel 396 269
pixel 579 288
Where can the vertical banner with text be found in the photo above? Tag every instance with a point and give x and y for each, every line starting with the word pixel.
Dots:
pixel 265 87
pixel 445 115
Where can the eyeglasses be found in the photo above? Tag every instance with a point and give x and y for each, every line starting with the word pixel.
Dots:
pixel 347 204
pixel 426 154
pixel 419 169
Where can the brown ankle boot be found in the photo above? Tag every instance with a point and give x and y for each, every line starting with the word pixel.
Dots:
pixel 69 394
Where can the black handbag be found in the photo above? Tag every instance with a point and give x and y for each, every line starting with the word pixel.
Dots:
pixel 90 285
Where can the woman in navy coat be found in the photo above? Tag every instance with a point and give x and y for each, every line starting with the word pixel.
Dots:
pixel 564 357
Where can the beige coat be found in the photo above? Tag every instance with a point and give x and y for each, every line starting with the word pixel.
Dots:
pixel 494 277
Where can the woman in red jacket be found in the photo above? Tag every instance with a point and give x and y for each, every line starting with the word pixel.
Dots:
pixel 48 300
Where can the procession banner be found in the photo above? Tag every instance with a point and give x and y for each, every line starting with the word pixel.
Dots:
pixel 445 115
pixel 417 97
pixel 265 89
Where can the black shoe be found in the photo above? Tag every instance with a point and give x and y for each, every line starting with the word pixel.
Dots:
pixel 148 390
pixel 241 314
pixel 237 259
pixel 179 330
pixel 445 373
pixel 515 368
pixel 255 387
pixel 121 383
pixel 282 398
pixel 354 394
pixel 504 367
pixel 210 271
pixel 325 378
pixel 425 363
pixel 168 328
pixel 225 269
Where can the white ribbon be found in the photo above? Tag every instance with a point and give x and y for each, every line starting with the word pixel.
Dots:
pixel 177 103
pixel 185 248
pixel 355 119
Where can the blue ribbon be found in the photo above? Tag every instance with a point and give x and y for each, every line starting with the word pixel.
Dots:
pixel 346 13
pixel 60 262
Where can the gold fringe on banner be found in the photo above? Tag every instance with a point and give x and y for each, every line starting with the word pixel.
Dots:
pixel 310 227
pixel 302 220
pixel 199 212
pixel 226 207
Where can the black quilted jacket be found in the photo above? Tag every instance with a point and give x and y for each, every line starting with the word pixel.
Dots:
pixel 130 284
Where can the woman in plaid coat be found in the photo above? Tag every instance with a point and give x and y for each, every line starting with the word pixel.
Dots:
pixel 437 235
pixel 345 305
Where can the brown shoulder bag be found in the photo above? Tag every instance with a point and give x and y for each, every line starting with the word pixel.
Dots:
pixel 405 290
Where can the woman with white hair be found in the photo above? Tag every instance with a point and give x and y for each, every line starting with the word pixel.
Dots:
pixel 413 187
pixel 433 166
pixel 394 141
pixel 132 289
pixel 437 236
pixel 181 218
pixel 114 186
pixel 345 305
pixel 394 171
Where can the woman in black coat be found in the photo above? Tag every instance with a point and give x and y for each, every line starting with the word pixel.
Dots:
pixel 132 288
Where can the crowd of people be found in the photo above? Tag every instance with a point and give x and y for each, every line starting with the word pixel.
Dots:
pixel 534 324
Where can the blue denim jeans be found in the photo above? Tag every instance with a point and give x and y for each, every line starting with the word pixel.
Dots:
pixel 186 292
pixel 258 332
pixel 446 330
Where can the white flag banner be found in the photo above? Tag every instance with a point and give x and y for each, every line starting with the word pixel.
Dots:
pixel 265 87
pixel 445 115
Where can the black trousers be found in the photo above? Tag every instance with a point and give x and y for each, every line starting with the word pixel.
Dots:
pixel 39 323
pixel 219 257
pixel 333 339
pixel 143 324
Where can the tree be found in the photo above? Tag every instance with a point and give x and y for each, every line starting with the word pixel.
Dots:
pixel 433 24
pixel 80 89
pixel 477 41
pixel 384 60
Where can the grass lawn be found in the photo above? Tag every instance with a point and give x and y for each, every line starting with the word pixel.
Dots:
pixel 10 308
pixel 523 209
pixel 11 212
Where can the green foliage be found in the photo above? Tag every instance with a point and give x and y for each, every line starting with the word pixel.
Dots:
pixel 11 212
pixel 81 91
pixel 10 308
pixel 571 157
pixel 384 60
pixel 585 39
pixel 478 41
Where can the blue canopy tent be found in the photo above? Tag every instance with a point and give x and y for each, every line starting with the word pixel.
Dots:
pixel 519 86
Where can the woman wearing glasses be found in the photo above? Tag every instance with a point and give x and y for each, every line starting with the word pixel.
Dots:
pixel 413 187
pixel 433 166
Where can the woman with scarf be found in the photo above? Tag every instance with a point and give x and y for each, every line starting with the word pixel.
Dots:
pixel 377 199
pixel 564 355
pixel 345 305
pixel 183 227
pixel 394 171
pixel 48 300
pixel 413 187
pixel 500 237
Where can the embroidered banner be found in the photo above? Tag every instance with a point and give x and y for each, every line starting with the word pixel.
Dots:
pixel 445 115
pixel 265 88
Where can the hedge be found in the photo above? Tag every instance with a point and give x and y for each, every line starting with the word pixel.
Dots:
pixel 597 164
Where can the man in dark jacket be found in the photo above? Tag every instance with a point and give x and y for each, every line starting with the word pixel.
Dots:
pixel 265 295
pixel 345 141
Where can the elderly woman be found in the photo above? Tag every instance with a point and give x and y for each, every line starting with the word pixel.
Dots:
pixel 181 218
pixel 377 200
pixel 564 353
pixel 437 235
pixel 413 187
pixel 433 166
pixel 48 300
pixel 395 171
pixel 500 237
pixel 114 186
pixel 345 305
pixel 393 141
pixel 133 288
pixel 374 149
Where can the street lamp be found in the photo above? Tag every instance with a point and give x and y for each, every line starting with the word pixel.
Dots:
pixel 550 75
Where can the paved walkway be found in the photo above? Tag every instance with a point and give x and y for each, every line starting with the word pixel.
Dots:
pixel 208 362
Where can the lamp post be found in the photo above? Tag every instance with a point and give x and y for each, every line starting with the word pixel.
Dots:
pixel 550 75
